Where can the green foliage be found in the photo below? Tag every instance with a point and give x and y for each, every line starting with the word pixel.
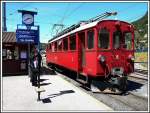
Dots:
pixel 142 24
pixel 141 29
pixel 43 46
pixel 141 56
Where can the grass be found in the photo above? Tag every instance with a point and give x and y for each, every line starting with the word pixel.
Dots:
pixel 141 57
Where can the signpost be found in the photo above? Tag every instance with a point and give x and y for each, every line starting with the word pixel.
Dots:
pixel 28 36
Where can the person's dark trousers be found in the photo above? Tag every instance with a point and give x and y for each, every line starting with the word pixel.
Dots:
pixel 34 79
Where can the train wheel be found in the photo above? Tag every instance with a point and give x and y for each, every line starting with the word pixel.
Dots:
pixel 123 85
pixel 119 84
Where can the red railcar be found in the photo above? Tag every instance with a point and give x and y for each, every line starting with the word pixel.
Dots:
pixel 95 49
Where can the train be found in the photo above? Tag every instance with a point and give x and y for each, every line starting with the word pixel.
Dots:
pixel 97 48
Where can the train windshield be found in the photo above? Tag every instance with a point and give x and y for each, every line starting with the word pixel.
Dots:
pixel 128 40
pixel 103 39
pixel 117 39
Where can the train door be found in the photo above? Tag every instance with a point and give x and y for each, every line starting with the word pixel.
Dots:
pixel 82 60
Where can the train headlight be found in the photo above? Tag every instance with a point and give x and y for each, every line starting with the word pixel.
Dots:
pixel 131 57
pixel 102 58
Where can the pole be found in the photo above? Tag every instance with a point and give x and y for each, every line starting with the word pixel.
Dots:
pixel 39 66
pixel 4 17
pixel 29 70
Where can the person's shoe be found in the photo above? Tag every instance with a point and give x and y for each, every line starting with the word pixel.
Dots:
pixel 33 84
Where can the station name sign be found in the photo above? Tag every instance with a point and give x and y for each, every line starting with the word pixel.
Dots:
pixel 26 36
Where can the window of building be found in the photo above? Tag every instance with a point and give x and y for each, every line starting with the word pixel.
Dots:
pixel 65 42
pixel 9 54
pixel 16 53
pixel 23 54
pixel 4 52
pixel 72 42
pixel 90 39
pixel 103 39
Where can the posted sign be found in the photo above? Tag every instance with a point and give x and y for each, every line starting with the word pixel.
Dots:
pixel 26 36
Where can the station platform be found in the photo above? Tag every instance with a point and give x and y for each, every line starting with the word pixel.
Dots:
pixel 60 95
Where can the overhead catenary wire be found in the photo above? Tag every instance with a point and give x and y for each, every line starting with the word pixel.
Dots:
pixel 63 18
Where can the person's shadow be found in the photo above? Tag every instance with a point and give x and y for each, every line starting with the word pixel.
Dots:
pixel 47 71
pixel 47 100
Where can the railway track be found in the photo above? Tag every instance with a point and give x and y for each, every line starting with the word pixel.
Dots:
pixel 141 71
pixel 140 74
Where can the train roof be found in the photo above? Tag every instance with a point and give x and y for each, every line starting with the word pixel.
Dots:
pixel 81 27
pixel 78 27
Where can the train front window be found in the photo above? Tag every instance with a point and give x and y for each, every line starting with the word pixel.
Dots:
pixel 128 40
pixel 116 39
pixel 103 39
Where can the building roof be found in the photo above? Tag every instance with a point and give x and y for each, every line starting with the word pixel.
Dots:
pixel 8 37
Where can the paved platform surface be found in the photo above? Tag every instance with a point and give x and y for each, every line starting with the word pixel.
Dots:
pixel 60 95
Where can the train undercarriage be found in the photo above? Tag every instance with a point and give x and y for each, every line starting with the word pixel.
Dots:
pixel 115 84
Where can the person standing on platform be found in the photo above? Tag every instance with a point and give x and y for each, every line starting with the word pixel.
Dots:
pixel 35 67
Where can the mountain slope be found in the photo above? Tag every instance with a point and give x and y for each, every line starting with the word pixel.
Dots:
pixel 141 32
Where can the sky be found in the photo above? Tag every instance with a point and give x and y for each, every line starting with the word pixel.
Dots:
pixel 69 13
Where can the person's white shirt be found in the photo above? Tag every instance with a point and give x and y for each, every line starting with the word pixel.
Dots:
pixel 35 63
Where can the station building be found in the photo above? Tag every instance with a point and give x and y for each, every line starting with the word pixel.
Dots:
pixel 14 55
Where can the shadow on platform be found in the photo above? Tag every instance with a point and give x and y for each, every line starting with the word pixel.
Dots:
pixel 44 84
pixel 47 71
pixel 133 85
pixel 47 100
pixel 106 88
pixel 41 80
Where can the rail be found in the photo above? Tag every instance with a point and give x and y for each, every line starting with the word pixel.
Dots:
pixel 140 74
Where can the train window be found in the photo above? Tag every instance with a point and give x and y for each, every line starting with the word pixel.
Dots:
pixel 90 40
pixel 65 42
pixel 55 49
pixel 116 39
pixel 103 40
pixel 72 42
pixel 60 45
pixel 128 40
pixel 50 47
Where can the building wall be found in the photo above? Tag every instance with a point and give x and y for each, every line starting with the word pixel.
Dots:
pixel 15 58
